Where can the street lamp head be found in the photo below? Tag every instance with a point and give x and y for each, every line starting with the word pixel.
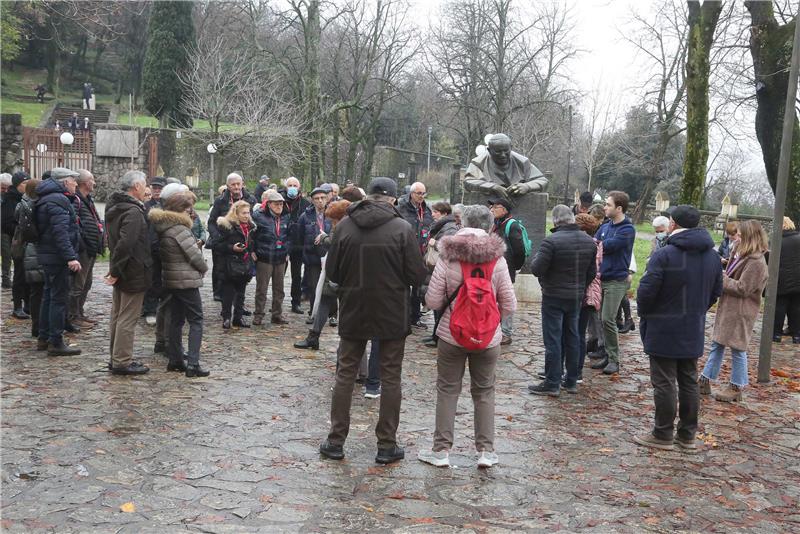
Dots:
pixel 430 130
pixel 67 138
pixel 212 148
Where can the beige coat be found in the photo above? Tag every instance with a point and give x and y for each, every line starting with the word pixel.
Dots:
pixel 182 263
pixel 740 303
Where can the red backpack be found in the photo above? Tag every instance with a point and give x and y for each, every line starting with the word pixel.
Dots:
pixel 475 316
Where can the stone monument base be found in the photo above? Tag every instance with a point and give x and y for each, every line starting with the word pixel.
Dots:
pixel 527 289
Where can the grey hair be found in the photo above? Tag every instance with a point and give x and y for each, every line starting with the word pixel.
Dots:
pixel 233 176
pixel 415 186
pixel 562 215
pixel 84 176
pixel 458 208
pixel 130 179
pixel 5 179
pixel 477 216
pixel 661 221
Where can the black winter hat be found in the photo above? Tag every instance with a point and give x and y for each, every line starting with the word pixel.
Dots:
pixel 501 201
pixel 19 177
pixel 685 216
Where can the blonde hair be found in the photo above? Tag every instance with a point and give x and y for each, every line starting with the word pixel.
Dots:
pixel 731 228
pixel 788 224
pixel 752 239
pixel 233 213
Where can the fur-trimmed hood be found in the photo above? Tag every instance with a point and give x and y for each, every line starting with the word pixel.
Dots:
pixel 224 222
pixel 165 219
pixel 471 245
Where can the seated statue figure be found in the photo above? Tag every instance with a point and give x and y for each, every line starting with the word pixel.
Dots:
pixel 502 172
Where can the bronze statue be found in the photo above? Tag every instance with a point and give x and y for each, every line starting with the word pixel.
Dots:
pixel 501 171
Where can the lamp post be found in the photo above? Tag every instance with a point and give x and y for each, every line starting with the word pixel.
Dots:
pixel 212 149
pixel 430 131
pixel 66 140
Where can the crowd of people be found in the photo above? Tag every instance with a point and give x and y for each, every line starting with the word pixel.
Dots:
pixel 373 262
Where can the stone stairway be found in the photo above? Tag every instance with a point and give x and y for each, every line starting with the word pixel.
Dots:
pixel 63 114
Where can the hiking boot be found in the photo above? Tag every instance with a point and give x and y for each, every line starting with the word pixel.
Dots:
pixel 487 459
pixel 705 385
pixel 435 458
pixel 61 350
pixel 731 393
pixel 687 446
pixel 649 440
pixel 543 388
pixel 330 451
pixel 390 455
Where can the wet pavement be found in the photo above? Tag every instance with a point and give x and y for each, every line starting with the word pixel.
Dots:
pixel 86 451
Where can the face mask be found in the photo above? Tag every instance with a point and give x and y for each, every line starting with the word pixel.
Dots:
pixel 291 192
pixel 661 235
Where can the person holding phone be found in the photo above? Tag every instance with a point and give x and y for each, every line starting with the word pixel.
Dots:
pixel 234 247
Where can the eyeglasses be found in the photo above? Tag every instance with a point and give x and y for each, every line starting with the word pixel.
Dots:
pixel 420 193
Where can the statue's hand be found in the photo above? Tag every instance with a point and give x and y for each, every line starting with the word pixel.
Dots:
pixel 495 190
pixel 517 190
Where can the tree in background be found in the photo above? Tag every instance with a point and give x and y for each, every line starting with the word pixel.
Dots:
pixel 10 38
pixel 771 50
pixel 170 34
pixel 702 22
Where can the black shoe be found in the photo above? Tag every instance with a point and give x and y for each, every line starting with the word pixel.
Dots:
pixel 180 367
pixel 333 321
pixel 598 354
pixel 331 452
pixel 72 329
pixel 569 388
pixel 19 313
pixel 796 340
pixel 132 369
pixel 41 344
pixel 241 323
pixel 226 324
pixel 6 284
pixel 310 319
pixel 296 309
pixel 419 324
pixel 611 369
pixel 132 364
pixel 159 347
pixel 193 371
pixel 217 298
pixel 391 455
pixel 600 364
pixel 247 313
pixel 543 388
pixel 61 350
pixel 591 346
pixel 361 379
pixel 776 338
pixel 310 342
pixel 627 326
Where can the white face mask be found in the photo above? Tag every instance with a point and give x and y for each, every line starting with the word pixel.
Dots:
pixel 661 235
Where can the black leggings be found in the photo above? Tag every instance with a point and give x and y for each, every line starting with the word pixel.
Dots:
pixel 233 296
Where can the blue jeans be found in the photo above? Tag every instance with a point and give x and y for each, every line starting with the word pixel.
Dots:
pixel 714 362
pixel 560 318
pixel 53 312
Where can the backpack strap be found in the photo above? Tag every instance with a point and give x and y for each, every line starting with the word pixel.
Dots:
pixel 507 227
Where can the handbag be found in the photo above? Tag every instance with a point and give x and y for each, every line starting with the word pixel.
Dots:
pixel 431 255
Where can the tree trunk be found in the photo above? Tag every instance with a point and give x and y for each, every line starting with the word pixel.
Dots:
pixel 311 88
pixel 771 49
pixel 335 147
pixel 702 24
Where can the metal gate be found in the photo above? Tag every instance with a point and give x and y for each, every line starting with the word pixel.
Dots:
pixel 44 150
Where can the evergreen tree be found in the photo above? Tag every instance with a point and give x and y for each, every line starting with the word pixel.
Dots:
pixel 169 35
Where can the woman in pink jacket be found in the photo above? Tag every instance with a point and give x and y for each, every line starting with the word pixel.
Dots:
pixel 471 244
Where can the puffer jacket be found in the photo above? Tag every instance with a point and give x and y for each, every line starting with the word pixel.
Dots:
pixel 34 274
pixel 128 243
pixel 471 245
pixel 57 224
pixel 308 230
pixel 182 263
pixel 565 263
pixel 272 241
pixel 789 270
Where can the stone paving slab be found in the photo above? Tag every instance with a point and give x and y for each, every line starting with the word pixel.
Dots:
pixel 237 452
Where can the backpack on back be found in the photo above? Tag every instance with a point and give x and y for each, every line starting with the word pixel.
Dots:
pixel 475 316
pixel 525 239
pixel 26 226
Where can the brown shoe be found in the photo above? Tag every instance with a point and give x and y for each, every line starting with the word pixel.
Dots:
pixel 506 340
pixel 705 385
pixel 648 440
pixel 257 320
pixel 279 320
pixel 83 323
pixel 89 319
pixel 730 394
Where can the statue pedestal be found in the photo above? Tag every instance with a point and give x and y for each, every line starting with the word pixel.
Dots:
pixel 531 211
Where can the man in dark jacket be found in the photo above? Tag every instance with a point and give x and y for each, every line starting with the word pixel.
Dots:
pixel 19 287
pixel 618 236
pixel 155 292
pixel 234 190
pixel 511 232
pixel 92 242
pixel 312 227
pixel 57 249
pixel 130 269
pixel 788 301
pixel 296 205
pixel 261 188
pixel 683 280
pixel 417 213
pixel 374 259
pixel 565 265
pixel 272 242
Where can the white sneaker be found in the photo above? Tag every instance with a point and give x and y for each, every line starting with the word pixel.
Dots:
pixel 372 393
pixel 439 459
pixel 487 459
pixel 150 320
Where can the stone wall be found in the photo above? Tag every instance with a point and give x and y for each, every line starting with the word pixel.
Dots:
pixel 11 156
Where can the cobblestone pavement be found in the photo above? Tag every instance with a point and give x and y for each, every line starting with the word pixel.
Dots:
pixel 86 451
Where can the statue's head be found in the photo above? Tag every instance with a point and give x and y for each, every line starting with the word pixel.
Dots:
pixel 499 147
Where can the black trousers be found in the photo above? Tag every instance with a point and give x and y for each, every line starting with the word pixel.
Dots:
pixel 153 295
pixel 313 273
pixel 186 305
pixel 19 287
pixel 665 374
pixel 624 312
pixel 296 264
pixel 233 296
pixel 784 305
pixel 217 273
pixel 36 290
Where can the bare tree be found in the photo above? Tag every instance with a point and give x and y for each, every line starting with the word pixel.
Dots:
pixel 601 115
